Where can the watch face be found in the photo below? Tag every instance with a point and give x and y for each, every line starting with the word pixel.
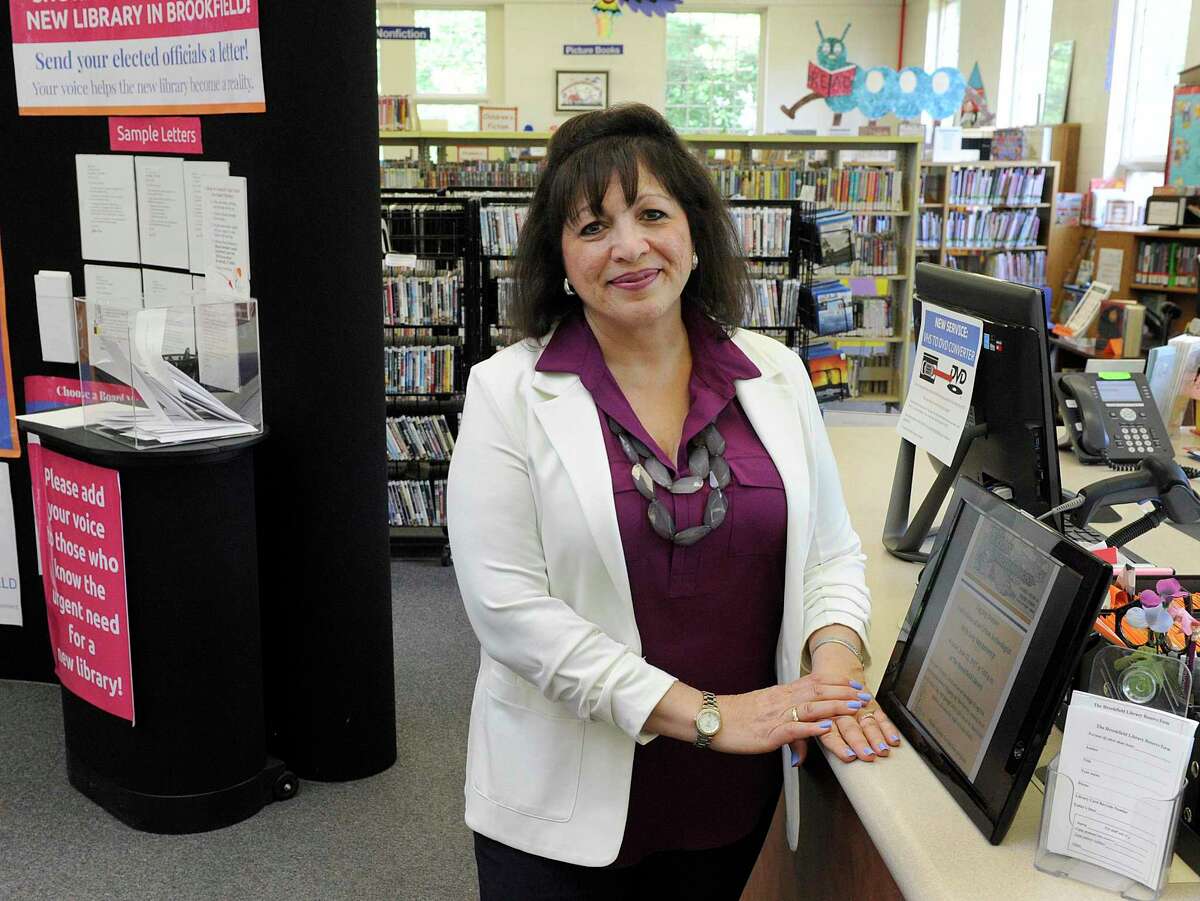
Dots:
pixel 708 722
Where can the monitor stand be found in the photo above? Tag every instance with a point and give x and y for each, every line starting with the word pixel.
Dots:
pixel 904 538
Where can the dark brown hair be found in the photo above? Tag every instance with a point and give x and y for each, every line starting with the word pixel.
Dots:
pixel 584 154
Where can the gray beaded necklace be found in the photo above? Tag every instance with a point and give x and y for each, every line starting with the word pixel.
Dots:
pixel 705 459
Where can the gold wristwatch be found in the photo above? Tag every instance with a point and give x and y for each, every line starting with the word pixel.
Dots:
pixel 708 720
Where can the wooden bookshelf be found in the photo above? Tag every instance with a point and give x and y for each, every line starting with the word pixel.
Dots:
pixel 938 200
pixel 1129 243
pixel 770 151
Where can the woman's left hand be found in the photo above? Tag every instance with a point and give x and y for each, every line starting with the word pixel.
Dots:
pixel 869 734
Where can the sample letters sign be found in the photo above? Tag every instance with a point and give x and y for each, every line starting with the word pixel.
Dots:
pixel 82 546
pixel 136 57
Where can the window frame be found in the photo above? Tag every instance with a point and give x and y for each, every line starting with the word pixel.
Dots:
pixel 761 75
pixel 1011 73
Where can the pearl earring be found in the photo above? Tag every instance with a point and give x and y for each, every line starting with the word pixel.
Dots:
pixel 568 289
pixel 695 260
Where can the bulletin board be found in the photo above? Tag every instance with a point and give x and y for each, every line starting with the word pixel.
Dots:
pixel 1183 150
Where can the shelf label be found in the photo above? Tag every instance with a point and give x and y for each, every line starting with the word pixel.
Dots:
pixel 593 49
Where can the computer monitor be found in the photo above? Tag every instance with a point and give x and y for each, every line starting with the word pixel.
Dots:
pixel 1009 441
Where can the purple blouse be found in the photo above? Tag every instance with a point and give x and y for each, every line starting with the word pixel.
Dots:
pixel 709 614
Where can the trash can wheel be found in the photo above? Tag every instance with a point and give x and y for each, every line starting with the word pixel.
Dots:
pixel 286 786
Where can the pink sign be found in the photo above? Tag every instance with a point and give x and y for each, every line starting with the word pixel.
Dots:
pixel 82 546
pixel 167 134
pixel 44 392
pixel 136 57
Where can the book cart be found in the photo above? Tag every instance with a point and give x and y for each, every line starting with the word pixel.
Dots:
pixel 478 198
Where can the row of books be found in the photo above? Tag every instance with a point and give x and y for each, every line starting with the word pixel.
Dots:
pixel 1167 263
pixel 872 318
pixel 397 112
pixel 520 174
pixel 850 187
pixel 1019 184
pixel 988 228
pixel 772 303
pixel 873 255
pixel 422 369
pixel 419 438
pixel 763 231
pixel 929 230
pixel 421 300
pixel 870 371
pixel 417 503
pixel 1026 267
pixel 499 227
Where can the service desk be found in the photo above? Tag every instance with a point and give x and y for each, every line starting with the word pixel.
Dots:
pixel 920 835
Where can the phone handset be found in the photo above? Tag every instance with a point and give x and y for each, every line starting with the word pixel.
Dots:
pixel 1111 417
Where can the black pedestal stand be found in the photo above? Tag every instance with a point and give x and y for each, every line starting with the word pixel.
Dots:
pixel 196 757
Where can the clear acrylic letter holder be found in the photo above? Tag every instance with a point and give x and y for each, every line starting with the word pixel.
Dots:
pixel 1112 678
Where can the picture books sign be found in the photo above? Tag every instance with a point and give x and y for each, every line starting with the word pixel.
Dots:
pixel 137 57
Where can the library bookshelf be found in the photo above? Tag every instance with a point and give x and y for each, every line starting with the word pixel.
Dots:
pixel 968 197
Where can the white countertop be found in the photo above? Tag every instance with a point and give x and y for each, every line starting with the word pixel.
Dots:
pixel 932 849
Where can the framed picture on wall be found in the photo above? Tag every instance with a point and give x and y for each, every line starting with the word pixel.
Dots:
pixel 497 118
pixel 579 91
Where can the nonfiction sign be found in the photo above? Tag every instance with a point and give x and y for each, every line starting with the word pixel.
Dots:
pixel 136 57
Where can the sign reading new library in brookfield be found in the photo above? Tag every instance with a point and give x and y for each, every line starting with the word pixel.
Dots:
pixel 137 57
pixel 401 33
pixel 82 547
pixel 593 49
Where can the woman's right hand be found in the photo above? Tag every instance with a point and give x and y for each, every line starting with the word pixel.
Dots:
pixel 758 722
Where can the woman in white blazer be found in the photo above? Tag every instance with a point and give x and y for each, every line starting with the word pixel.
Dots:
pixel 651 544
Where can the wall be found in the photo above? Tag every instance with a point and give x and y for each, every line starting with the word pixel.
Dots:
pixel 526 39
pixel 1089 24
pixel 980 38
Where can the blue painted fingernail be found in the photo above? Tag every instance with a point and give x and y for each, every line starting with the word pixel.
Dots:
pixel 883 746
pixel 824 724
pixel 854 705
pixel 856 684
pixel 896 739
pixel 867 752
pixel 850 752
pixel 864 696
pixel 795 758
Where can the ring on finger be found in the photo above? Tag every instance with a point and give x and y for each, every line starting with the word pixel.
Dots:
pixel 795 715
pixel 866 716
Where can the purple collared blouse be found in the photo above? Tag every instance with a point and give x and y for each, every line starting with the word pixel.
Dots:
pixel 709 614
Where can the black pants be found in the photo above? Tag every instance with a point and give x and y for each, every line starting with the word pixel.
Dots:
pixel 719 874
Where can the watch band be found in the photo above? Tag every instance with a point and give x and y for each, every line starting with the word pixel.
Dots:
pixel 710 700
pixel 853 650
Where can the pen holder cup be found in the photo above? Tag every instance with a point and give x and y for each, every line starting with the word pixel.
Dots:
pixel 1076 841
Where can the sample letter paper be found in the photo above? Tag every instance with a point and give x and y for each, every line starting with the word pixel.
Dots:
pixel 943 379
pixel 227 236
pixel 108 225
pixel 82 548
pixel 162 211
pixel 1120 768
pixel 56 317
pixel 137 57
pixel 194 173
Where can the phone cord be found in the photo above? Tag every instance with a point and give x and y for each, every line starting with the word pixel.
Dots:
pixel 1137 528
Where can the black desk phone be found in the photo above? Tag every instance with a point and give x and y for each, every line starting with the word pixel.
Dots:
pixel 1112 417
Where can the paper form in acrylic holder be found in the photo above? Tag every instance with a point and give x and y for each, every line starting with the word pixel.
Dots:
pixel 1125 764
pixel 194 173
pixel 108 227
pixel 162 211
pixel 226 236
pixel 172 289
pixel 10 577
pixel 56 317
pixel 82 548
pixel 943 379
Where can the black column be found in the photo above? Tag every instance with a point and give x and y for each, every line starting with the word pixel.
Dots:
pixel 311 162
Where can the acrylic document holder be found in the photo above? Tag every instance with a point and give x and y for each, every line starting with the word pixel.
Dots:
pixel 171 374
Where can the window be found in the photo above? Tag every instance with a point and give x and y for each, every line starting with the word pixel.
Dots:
pixel 1148 52
pixel 458 116
pixel 453 62
pixel 941 34
pixel 712 71
pixel 1024 56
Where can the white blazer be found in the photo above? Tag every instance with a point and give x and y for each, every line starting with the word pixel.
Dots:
pixel 563 691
